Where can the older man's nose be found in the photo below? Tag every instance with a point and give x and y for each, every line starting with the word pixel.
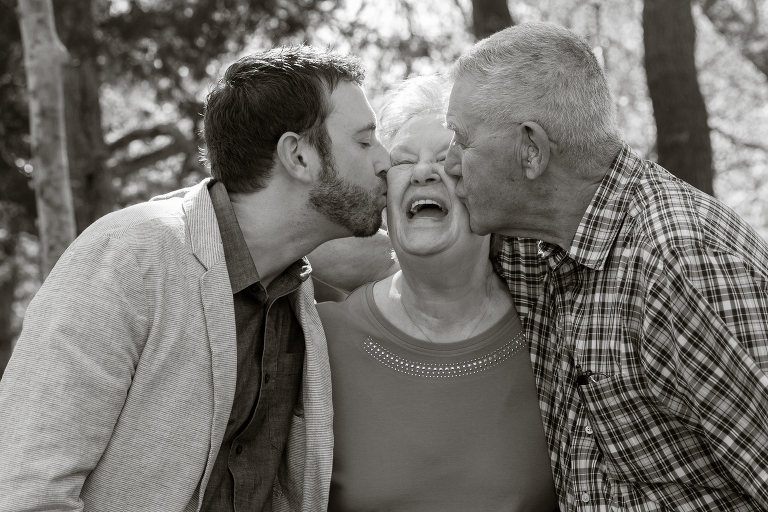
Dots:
pixel 453 162
pixel 425 173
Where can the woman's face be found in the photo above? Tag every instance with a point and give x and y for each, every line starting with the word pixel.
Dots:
pixel 424 216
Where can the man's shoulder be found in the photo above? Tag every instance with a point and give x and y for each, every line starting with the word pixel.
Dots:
pixel 143 221
pixel 159 221
pixel 672 216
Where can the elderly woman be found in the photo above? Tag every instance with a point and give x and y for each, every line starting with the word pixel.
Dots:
pixel 434 398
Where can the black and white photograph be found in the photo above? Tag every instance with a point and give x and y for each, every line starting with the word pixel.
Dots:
pixel 383 255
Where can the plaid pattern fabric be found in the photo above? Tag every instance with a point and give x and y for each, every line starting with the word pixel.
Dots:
pixel 661 304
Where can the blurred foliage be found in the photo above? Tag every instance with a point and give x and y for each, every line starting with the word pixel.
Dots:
pixel 174 45
pixel 14 125
pixel 18 266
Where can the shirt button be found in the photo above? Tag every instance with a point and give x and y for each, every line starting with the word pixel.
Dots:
pixel 239 449
pixel 266 378
pixel 588 430
pixel 584 497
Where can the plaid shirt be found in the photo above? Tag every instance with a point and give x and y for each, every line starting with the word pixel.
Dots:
pixel 661 306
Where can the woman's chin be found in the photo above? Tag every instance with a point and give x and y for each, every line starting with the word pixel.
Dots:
pixel 421 245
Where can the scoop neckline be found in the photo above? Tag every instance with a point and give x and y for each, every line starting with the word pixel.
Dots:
pixel 476 342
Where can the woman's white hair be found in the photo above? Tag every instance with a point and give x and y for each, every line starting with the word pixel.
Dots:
pixel 544 73
pixel 416 96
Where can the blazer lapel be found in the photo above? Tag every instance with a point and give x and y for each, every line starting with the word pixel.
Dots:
pixel 216 295
pixel 318 408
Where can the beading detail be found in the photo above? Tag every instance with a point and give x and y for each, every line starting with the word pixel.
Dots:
pixel 437 370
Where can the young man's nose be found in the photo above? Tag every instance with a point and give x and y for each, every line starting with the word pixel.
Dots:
pixel 381 161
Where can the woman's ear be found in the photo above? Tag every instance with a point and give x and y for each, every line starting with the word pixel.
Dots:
pixel 536 149
pixel 296 157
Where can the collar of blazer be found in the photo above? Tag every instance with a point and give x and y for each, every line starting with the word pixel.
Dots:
pixel 203 227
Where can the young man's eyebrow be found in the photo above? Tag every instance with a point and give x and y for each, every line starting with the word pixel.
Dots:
pixel 367 128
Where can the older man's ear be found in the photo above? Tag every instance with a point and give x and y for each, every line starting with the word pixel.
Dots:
pixel 536 149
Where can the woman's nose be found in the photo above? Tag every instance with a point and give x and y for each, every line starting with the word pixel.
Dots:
pixel 425 173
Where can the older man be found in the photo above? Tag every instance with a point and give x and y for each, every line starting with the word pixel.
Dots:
pixel 173 360
pixel 645 301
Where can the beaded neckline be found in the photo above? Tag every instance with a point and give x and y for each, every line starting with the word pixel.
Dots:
pixel 443 370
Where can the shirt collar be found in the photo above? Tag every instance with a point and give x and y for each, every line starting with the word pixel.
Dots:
pixel 606 212
pixel 240 266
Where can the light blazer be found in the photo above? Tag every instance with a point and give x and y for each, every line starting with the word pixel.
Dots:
pixel 120 387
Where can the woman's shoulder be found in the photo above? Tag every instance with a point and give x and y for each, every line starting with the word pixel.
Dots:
pixel 346 321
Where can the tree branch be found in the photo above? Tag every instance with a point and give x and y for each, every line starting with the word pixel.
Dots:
pixel 738 142
pixel 180 144
pixel 124 168
pixel 146 134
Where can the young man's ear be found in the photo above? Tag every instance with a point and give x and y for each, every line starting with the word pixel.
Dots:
pixel 297 156
pixel 536 148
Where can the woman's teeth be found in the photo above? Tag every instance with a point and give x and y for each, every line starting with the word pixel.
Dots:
pixel 418 205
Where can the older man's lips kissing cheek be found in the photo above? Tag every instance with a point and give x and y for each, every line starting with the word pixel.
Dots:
pixel 459 191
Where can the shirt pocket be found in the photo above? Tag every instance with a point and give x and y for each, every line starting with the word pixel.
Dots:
pixel 636 434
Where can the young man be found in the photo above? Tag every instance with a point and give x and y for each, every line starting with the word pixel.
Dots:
pixel 173 360
pixel 645 301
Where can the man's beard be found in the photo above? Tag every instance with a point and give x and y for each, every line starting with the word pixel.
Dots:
pixel 346 204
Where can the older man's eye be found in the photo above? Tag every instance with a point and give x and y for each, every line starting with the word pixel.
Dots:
pixel 395 163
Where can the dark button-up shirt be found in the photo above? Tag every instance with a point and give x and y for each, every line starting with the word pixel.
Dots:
pixel 649 344
pixel 270 358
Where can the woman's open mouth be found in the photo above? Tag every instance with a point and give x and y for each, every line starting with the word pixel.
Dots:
pixel 426 208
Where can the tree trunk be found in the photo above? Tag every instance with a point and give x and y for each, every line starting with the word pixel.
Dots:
pixel 8 282
pixel 44 56
pixel 684 147
pixel 490 16
pixel 91 179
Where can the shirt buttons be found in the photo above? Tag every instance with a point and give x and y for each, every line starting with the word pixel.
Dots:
pixel 584 497
pixel 588 429
pixel 239 449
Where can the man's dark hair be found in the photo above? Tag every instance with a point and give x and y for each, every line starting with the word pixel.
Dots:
pixel 261 97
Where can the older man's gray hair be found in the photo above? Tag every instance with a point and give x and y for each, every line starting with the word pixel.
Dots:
pixel 416 96
pixel 544 73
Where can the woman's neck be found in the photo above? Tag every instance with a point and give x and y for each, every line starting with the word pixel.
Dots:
pixel 443 302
